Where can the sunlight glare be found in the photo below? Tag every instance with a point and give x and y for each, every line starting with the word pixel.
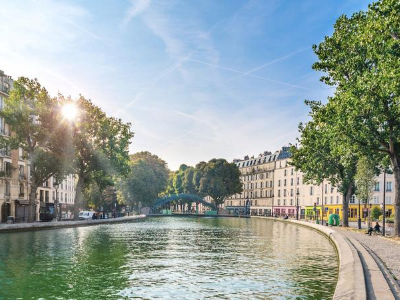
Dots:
pixel 70 111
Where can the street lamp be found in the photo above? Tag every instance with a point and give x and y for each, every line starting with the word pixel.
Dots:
pixel 359 213
pixel 384 203
pixel 58 205
pixel 297 205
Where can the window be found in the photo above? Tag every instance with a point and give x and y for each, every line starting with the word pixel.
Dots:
pixel 298 180
pixel 279 182
pixel 279 193
pixel 255 202
pixel 285 172
pixel 388 186
pixel 284 193
pixel 326 188
pixel 353 199
pixel 7 169
pixel 291 202
pixel 377 186
pixel 337 199
pixel 7 191
pixel 291 172
pixel 376 200
pixel 255 194
pixel 291 181
pixel 284 201
pixel 311 190
pixel 291 192
pixel 331 199
pixel 279 202
pixel 317 200
pixel 325 202
pixel 284 182
pixel 261 184
pixel 388 199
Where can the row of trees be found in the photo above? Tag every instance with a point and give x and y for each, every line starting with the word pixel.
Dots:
pixel 150 178
pixel 93 146
pixel 361 60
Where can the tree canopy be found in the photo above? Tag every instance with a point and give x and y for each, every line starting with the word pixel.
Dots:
pixel 362 61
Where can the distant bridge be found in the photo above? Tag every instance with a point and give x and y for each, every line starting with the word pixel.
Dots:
pixel 188 197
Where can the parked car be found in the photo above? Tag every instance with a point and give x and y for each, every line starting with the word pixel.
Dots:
pixel 86 215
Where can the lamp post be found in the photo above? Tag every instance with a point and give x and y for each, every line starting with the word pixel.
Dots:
pixel 359 213
pixel 57 206
pixel 297 205
pixel 384 203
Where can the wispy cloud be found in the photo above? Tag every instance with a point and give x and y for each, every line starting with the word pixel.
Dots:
pixel 137 7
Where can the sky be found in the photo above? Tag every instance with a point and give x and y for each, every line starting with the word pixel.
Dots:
pixel 197 79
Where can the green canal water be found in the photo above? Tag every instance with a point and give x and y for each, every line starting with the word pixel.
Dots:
pixel 169 258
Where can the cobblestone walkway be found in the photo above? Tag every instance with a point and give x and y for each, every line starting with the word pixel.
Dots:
pixel 387 250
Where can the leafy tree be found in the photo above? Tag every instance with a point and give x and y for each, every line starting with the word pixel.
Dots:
pixel 322 154
pixel 148 178
pixel 361 59
pixel 217 179
pixel 101 146
pixel 365 179
pixel 38 128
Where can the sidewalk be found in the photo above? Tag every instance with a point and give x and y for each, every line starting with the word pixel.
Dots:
pixel 386 249
pixel 64 224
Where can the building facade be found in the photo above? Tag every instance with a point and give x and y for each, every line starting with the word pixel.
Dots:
pixel 272 186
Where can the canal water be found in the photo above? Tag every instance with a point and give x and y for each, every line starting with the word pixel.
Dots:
pixel 169 258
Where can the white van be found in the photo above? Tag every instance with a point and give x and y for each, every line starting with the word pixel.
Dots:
pixel 86 215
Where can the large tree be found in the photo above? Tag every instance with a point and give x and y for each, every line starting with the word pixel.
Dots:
pixel 101 145
pixel 362 60
pixel 147 179
pixel 38 128
pixel 218 179
pixel 323 154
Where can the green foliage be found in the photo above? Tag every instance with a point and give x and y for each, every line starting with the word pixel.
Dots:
pixel 376 212
pixel 101 148
pixel 149 176
pixel 365 179
pixel 38 128
pixel 217 179
pixel 362 60
pixel 323 154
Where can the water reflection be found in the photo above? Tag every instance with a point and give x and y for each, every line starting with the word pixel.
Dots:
pixel 190 258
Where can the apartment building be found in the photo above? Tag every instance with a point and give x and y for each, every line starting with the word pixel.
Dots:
pixel 52 192
pixel 271 185
pixel 257 177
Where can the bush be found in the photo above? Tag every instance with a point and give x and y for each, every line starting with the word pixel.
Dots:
pixel 376 212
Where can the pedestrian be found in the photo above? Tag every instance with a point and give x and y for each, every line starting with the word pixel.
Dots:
pixel 377 228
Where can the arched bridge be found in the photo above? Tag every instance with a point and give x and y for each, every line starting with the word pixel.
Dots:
pixel 188 197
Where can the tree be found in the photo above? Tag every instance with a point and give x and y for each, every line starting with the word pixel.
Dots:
pixel 148 177
pixel 217 179
pixel 38 128
pixel 361 59
pixel 365 179
pixel 322 154
pixel 101 147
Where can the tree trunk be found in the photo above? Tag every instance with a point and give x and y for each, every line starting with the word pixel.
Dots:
pixel 78 197
pixel 32 202
pixel 345 207
pixel 396 173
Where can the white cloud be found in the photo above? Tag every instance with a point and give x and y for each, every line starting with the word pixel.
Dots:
pixel 137 7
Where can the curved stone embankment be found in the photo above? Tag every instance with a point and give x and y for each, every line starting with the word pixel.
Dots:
pixel 65 224
pixel 359 277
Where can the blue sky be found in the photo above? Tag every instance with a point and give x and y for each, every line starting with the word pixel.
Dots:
pixel 197 79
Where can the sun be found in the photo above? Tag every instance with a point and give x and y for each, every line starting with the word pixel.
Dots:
pixel 70 111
